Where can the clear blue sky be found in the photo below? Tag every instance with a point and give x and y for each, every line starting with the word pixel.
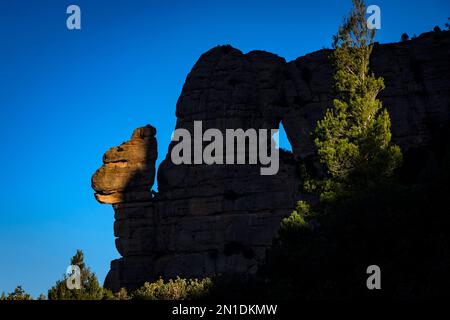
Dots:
pixel 67 96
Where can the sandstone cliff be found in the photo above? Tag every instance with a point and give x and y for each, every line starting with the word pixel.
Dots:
pixel 209 219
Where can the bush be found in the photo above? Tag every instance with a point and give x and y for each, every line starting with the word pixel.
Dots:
pixel 296 222
pixel 122 294
pixel 178 289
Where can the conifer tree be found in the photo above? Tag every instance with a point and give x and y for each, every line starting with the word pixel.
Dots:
pixel 90 288
pixel 18 294
pixel 354 138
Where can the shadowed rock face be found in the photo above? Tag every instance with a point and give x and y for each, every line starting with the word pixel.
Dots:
pixel 209 219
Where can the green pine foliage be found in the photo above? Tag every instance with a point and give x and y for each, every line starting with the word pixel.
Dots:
pixel 18 294
pixel 364 215
pixel 90 288
pixel 41 297
pixel 353 140
pixel 296 222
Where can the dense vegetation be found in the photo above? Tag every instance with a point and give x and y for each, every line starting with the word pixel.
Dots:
pixel 90 289
pixel 371 208
pixel 400 227
pixel 371 211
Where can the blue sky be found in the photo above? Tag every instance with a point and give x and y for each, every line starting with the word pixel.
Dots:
pixel 67 96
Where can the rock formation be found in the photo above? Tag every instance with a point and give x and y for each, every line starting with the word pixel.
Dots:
pixel 128 170
pixel 210 219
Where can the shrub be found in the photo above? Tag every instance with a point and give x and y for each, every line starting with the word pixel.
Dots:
pixel 122 294
pixel 178 289
pixel 296 221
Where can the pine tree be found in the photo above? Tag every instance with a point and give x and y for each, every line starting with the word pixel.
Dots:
pixel 41 297
pixel 354 139
pixel 18 294
pixel 90 288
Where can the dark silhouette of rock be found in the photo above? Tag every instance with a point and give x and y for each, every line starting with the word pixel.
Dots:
pixel 210 219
